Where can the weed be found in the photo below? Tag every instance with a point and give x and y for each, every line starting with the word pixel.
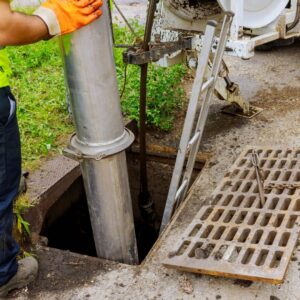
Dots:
pixel 21 205
pixel 21 229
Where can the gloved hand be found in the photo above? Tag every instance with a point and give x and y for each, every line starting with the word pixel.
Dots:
pixel 65 16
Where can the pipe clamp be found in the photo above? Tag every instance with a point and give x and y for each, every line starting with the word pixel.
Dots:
pixel 77 150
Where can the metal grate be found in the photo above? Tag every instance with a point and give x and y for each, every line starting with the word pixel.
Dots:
pixel 235 236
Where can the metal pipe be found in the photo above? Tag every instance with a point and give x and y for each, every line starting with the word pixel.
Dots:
pixel 100 138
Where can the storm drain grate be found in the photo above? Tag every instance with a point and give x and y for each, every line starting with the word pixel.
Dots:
pixel 235 236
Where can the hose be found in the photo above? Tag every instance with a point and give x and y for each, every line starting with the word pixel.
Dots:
pixel 145 201
pixel 296 20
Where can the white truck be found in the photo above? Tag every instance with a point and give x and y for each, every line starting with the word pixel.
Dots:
pixel 256 23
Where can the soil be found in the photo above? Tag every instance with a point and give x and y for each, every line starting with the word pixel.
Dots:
pixel 204 253
pixel 243 283
pixel 286 99
pixel 221 252
pixel 60 269
pixel 200 253
pixel 274 298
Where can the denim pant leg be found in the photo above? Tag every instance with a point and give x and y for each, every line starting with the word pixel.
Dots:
pixel 10 172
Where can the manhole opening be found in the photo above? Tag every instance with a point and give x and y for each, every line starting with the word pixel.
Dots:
pixel 67 224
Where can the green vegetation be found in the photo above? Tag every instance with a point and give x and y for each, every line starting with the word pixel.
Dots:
pixel 38 84
pixel 165 93
pixel 21 206
pixel 21 229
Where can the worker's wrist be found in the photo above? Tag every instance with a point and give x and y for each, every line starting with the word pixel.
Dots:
pixel 49 18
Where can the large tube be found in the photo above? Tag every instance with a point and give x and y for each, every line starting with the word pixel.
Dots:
pixel 100 138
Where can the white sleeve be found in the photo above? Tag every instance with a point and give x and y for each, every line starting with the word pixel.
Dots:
pixel 50 19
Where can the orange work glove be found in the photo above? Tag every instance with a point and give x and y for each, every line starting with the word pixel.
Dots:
pixel 65 16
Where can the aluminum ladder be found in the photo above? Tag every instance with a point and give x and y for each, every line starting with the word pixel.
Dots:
pixel 191 137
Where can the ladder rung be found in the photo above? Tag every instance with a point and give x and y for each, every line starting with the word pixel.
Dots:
pixel 181 189
pixel 187 143
pixel 207 84
pixel 193 140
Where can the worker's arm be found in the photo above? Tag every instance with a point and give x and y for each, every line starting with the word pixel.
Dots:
pixel 54 17
pixel 17 28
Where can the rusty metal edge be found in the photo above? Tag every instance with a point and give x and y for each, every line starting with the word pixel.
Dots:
pixel 226 275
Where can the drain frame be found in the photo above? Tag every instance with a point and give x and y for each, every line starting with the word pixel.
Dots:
pixel 61 182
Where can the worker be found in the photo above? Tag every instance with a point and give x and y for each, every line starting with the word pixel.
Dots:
pixel 52 18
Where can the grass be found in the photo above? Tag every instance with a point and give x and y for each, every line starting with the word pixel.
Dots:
pixel 38 84
pixel 165 94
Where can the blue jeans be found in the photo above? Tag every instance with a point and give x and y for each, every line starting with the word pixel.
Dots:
pixel 10 172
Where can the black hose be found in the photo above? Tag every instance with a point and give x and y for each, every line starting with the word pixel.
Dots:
pixel 145 201
pixel 297 18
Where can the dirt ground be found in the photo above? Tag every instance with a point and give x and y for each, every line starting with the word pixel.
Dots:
pixel 271 80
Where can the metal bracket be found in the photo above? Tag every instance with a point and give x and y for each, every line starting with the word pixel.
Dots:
pixel 79 151
pixel 235 109
pixel 137 56
pixel 75 154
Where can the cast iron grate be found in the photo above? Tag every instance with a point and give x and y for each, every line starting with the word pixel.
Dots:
pixel 235 236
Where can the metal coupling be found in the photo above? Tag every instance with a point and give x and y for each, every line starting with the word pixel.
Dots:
pixel 78 150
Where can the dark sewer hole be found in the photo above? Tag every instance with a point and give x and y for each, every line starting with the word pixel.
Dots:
pixel 73 231
pixel 67 224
